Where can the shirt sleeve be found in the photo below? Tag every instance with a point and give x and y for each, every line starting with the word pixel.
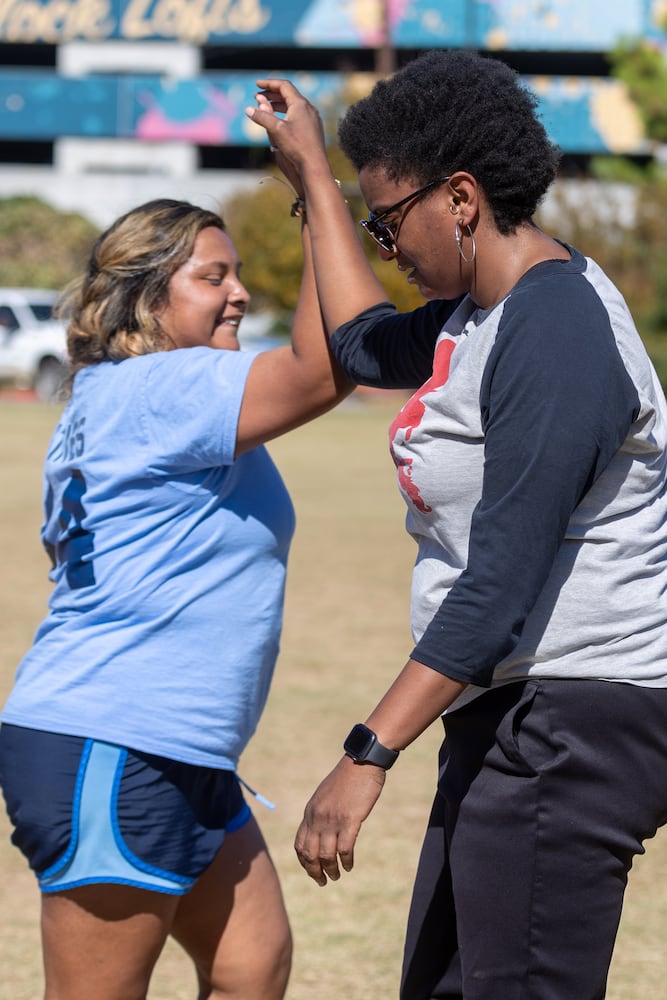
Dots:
pixel 557 403
pixel 386 349
pixel 191 403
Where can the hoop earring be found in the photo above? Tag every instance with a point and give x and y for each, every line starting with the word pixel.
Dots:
pixel 458 236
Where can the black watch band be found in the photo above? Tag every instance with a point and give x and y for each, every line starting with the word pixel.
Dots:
pixel 363 747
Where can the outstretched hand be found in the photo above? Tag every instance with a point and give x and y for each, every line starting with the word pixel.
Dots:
pixel 333 818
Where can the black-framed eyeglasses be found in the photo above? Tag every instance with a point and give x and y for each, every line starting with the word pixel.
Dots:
pixel 384 233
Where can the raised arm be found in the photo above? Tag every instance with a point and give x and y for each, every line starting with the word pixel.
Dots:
pixel 288 386
pixel 346 282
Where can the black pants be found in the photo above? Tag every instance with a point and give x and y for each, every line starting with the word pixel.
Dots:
pixel 547 790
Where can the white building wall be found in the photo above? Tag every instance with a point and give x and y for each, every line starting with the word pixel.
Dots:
pixel 116 156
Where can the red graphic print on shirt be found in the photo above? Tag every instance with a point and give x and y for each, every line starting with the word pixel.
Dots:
pixel 411 416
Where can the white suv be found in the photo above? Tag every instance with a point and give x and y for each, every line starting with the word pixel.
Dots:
pixel 32 344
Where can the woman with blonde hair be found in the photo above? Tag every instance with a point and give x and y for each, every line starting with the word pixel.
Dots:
pixel 168 526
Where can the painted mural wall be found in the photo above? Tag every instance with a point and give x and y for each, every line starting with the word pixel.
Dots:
pixel 591 115
pixel 593 25
pixel 580 114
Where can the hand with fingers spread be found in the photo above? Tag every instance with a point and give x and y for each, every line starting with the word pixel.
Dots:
pixel 333 818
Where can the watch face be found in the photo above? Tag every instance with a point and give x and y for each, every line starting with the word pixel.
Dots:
pixel 359 741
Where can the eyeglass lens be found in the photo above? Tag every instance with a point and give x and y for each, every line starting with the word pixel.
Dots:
pixel 381 233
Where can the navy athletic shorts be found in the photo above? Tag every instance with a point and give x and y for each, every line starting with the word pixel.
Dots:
pixel 85 812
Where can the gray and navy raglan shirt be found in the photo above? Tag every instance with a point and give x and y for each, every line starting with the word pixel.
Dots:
pixel 533 462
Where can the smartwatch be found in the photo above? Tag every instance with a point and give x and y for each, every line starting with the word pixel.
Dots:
pixel 363 747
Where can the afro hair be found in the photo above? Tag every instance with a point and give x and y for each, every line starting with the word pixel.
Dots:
pixel 456 110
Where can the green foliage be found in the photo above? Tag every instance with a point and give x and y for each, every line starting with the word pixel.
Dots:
pixel 623 170
pixel 642 66
pixel 41 247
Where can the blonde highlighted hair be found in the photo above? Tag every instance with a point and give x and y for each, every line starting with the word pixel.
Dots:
pixel 111 310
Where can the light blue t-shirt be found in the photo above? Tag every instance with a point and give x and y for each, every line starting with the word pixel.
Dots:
pixel 170 560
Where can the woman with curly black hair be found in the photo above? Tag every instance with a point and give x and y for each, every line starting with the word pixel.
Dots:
pixel 533 461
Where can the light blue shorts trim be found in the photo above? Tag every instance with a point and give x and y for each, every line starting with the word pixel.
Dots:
pixel 98 852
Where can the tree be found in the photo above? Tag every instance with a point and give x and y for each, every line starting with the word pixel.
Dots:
pixel 642 66
pixel 41 247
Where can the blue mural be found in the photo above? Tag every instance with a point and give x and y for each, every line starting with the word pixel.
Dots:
pixel 594 25
pixel 581 115
pixel 42 105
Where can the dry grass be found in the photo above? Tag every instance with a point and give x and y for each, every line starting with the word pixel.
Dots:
pixel 346 633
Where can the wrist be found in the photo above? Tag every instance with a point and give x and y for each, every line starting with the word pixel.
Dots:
pixel 363 747
pixel 298 207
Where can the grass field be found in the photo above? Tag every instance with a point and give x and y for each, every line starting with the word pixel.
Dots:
pixel 346 633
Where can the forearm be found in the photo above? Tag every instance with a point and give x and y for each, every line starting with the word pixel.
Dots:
pixel 308 335
pixel 344 799
pixel 418 696
pixel 346 283
pixel 290 385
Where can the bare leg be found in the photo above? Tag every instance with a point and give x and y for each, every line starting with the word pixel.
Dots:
pixel 233 923
pixel 103 941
